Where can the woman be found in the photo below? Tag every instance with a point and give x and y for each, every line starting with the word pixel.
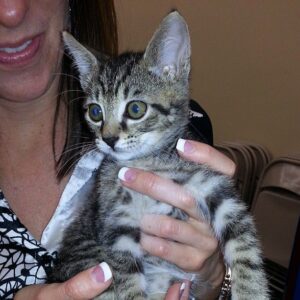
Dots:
pixel 41 133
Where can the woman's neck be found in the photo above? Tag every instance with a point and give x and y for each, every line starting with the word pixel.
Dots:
pixel 24 126
pixel 27 164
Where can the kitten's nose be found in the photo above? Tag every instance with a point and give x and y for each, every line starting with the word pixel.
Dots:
pixel 110 141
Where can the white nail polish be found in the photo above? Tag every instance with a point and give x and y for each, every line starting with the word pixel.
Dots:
pixel 121 174
pixel 180 145
pixel 182 287
pixel 106 271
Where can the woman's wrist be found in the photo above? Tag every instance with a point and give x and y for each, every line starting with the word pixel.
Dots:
pixel 222 291
pixel 214 275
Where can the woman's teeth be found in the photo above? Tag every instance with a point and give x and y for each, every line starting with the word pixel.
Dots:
pixel 17 49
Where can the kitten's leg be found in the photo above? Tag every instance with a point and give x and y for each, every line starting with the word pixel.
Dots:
pixel 236 232
pixel 83 255
pixel 160 275
pixel 241 251
pixel 128 278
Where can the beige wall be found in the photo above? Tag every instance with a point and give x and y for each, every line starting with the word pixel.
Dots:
pixel 245 63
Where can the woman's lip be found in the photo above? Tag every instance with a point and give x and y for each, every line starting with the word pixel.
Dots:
pixel 22 57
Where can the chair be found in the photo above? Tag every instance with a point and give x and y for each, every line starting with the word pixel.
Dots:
pixel 276 208
pixel 250 160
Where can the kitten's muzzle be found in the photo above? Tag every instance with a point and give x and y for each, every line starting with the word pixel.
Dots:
pixel 110 141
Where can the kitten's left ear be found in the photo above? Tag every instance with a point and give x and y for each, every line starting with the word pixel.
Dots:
pixel 85 61
pixel 168 52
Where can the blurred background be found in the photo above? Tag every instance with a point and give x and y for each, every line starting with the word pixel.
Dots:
pixel 245 63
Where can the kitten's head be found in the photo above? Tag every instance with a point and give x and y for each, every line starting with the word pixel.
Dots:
pixel 137 103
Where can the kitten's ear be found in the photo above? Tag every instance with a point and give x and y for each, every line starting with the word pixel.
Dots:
pixel 84 60
pixel 168 52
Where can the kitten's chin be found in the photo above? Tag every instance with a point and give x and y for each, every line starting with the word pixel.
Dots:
pixel 121 156
pixel 118 154
pixel 125 155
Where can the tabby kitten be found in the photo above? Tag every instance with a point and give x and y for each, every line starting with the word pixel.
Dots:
pixel 137 106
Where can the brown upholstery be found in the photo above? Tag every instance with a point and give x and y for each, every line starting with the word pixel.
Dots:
pixel 276 208
pixel 250 160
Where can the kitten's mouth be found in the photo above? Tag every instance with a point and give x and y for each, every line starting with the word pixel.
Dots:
pixel 103 147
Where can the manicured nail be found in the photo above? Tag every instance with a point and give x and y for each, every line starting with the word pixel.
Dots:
pixel 102 272
pixel 181 291
pixel 126 174
pixel 184 146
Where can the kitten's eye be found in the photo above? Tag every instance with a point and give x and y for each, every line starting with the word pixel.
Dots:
pixel 95 112
pixel 136 109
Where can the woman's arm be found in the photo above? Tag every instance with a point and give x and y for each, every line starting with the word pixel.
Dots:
pixel 190 245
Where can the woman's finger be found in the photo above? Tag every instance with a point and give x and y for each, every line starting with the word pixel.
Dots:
pixel 179 291
pixel 205 154
pixel 159 188
pixel 185 257
pixel 192 233
pixel 85 285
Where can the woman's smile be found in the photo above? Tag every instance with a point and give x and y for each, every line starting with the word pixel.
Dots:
pixel 21 53
pixel 30 48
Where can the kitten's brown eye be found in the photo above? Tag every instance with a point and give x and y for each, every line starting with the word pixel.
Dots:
pixel 136 109
pixel 95 112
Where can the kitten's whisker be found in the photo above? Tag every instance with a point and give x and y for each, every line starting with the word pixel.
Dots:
pixel 83 143
pixel 92 147
pixel 66 75
pixel 69 91
pixel 65 92
pixel 80 136
pixel 77 98
pixel 73 148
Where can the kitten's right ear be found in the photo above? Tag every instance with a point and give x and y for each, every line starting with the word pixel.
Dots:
pixel 84 60
pixel 168 52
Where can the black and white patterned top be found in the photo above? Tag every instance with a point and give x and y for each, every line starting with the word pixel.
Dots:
pixel 25 261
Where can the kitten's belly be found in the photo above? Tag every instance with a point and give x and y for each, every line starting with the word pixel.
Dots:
pixel 131 213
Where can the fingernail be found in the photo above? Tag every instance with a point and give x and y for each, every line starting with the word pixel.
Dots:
pixel 181 291
pixel 102 272
pixel 127 174
pixel 184 146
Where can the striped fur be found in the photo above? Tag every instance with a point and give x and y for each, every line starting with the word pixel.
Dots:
pixel 107 228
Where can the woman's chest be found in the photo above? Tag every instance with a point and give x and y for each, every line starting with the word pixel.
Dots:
pixel 34 200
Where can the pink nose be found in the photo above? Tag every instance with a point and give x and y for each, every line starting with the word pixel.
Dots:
pixel 12 12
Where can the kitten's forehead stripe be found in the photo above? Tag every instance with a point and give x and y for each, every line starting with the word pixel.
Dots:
pixel 161 109
pixel 126 91
pixel 125 65
pixel 102 86
pixel 119 82
pixel 96 94
pixel 136 93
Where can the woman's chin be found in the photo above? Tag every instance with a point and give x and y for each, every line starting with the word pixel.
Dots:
pixel 25 91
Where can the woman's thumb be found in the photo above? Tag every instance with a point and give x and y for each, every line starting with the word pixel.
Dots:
pixel 85 285
pixel 88 284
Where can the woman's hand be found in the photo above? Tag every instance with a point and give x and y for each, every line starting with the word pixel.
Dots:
pixel 190 245
pixel 85 285
pixel 205 154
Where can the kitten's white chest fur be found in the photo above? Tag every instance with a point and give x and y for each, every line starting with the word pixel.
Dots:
pixel 131 214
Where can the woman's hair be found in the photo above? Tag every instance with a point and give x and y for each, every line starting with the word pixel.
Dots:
pixel 93 23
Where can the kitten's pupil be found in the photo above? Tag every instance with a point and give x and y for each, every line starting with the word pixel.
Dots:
pixel 136 109
pixel 95 112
